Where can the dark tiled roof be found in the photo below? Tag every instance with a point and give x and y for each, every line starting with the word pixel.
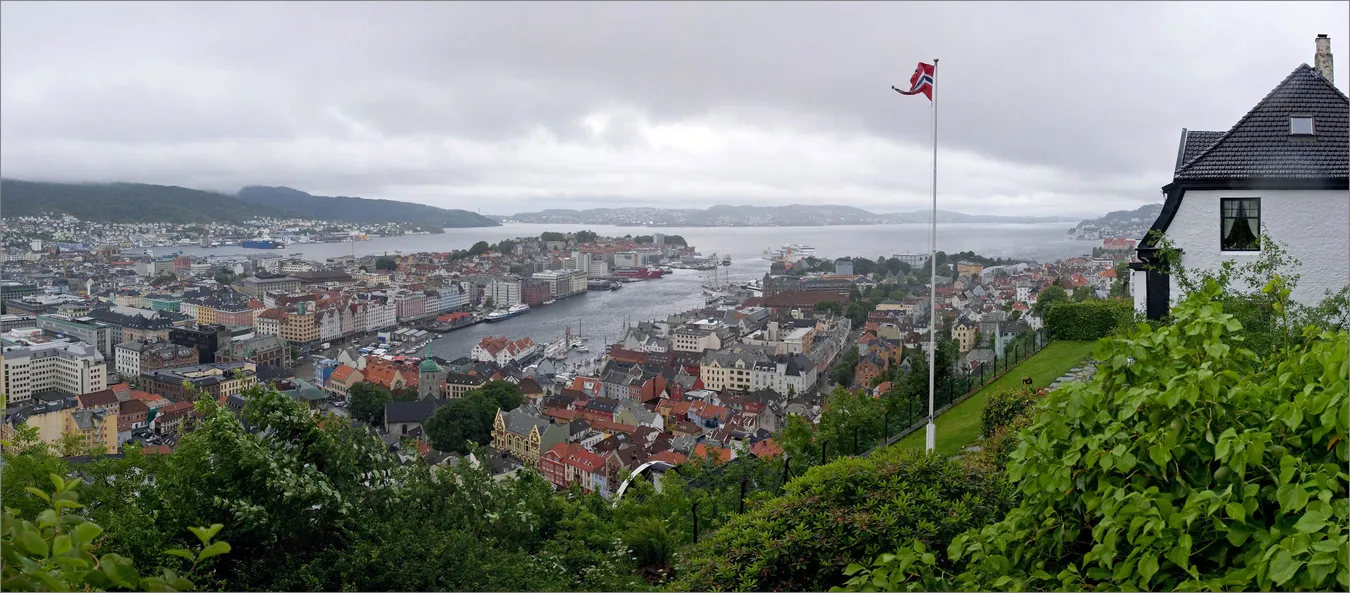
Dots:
pixel 414 411
pixel 1260 146
pixel 1194 142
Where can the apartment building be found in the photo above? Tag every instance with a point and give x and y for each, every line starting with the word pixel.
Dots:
pixel 504 293
pixel 218 379
pixel 298 326
pixel 96 333
pixel 54 366
pixel 134 358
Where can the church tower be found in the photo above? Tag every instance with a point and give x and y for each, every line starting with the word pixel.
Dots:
pixel 430 377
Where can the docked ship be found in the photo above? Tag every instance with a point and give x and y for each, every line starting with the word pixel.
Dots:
pixel 726 261
pixel 790 252
pixel 263 244
pixel 501 314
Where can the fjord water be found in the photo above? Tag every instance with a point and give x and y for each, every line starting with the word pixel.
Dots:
pixel 601 315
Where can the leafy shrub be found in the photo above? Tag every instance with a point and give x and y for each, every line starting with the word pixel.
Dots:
pixel 57 552
pixel 996 449
pixel 1005 406
pixel 1188 463
pixel 1087 320
pixel 842 512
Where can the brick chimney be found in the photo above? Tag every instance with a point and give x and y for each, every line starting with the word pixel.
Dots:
pixel 1322 59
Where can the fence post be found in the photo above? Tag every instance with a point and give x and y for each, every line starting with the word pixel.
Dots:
pixel 742 507
pixel 695 513
pixel 823 444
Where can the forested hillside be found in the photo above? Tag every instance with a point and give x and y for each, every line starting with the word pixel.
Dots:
pixel 349 209
pixel 126 202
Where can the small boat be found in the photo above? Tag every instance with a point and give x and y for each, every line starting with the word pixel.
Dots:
pixel 583 349
pixel 550 301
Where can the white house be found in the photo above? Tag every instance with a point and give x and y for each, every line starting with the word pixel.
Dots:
pixel 1281 171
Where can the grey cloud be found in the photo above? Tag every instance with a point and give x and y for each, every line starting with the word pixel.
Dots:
pixel 1094 91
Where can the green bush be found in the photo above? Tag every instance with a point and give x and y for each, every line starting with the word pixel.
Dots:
pixel 1087 320
pixel 1188 463
pixel 55 550
pixel 843 512
pixel 1004 406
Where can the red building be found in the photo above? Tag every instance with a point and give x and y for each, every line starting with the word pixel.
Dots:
pixel 534 293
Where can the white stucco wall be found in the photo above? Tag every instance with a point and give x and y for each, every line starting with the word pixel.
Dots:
pixel 1313 225
pixel 1139 290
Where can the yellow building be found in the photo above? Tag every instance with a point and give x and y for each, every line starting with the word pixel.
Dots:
pixel 297 327
pixel 964 333
pixel 525 436
pixel 968 269
pixel 98 427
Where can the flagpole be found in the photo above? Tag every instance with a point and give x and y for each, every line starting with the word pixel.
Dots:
pixel 931 442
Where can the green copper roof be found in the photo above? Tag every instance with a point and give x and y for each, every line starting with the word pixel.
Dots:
pixel 428 365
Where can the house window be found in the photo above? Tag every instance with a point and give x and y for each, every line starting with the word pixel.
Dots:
pixel 1301 125
pixel 1240 228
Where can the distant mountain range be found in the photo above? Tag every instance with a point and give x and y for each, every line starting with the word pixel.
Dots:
pixel 1130 224
pixel 348 209
pixel 737 216
pixel 138 202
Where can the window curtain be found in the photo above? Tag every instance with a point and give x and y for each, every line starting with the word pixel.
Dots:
pixel 1253 222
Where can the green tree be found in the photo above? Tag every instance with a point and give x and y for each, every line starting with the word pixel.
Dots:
pixel 225 276
pixel 403 394
pixel 583 237
pixel 367 402
pixel 830 307
pixel 463 423
pixel 1190 462
pixel 840 514
pixel 504 394
pixel 552 236
pixel 55 551
pixel 1083 293
pixel 1048 296
pixel 479 248
pixel 386 263
pixel 841 372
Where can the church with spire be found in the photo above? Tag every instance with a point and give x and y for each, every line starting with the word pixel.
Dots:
pixel 430 377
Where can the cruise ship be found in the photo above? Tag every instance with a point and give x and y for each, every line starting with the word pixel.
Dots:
pixel 790 252
pixel 501 314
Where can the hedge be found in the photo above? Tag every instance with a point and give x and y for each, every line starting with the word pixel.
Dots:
pixel 1088 320
pixel 846 511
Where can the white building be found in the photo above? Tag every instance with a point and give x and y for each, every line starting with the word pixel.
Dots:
pixel 793 374
pixel 563 282
pixel 1281 171
pixel 504 293
pixel 504 351
pixel 58 365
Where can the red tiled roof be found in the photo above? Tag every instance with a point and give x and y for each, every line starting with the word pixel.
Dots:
pixel 669 456
pixel 766 448
pixel 702 451
pixel 341 374
pixel 584 460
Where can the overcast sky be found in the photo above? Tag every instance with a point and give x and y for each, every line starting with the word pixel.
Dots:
pixel 1054 108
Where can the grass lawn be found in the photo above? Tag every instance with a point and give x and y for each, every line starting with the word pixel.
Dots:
pixel 960 426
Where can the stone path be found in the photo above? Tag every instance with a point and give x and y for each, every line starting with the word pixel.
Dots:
pixel 1082 373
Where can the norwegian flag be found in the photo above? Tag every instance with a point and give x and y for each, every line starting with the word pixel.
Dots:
pixel 921 82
